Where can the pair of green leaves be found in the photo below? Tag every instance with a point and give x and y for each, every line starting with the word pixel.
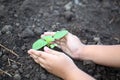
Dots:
pixel 47 40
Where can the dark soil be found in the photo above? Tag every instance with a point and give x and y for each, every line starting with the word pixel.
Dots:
pixel 23 21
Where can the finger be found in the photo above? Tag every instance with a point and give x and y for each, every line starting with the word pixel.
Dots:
pixel 41 61
pixel 60 44
pixel 57 42
pixel 33 56
pixel 31 51
pixel 35 59
pixel 37 53
pixel 41 54
pixel 38 59
pixel 42 65
pixel 48 34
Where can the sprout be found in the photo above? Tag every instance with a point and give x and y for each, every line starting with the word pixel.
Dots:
pixel 48 40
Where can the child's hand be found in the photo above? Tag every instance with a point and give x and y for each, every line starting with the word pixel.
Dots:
pixel 69 44
pixel 53 61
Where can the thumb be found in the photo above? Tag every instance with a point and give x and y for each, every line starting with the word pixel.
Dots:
pixel 48 50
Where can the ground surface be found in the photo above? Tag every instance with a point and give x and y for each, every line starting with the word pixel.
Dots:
pixel 23 21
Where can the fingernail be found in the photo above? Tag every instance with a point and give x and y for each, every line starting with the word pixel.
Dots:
pixel 46 49
pixel 28 51
pixel 42 36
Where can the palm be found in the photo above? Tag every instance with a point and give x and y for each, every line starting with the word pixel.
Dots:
pixel 70 44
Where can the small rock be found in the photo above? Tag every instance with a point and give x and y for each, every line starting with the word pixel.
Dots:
pixel 56 12
pixel 91 43
pixel 38 30
pixel 68 6
pixel 14 66
pixel 39 15
pixel 68 15
pixel 17 77
pixel 0 33
pixel 6 28
pixel 27 76
pixel 43 76
pixel 17 24
pixel 38 20
pixel 33 26
pixel 4 58
pixel 1 78
pixel 97 39
pixel 90 71
pixel 23 47
pixel 15 15
pixel 1 53
pixel 84 41
pixel 87 62
pixel 16 72
pixel 46 14
pixel 97 76
pixel 2 11
pixel 99 43
pixel 27 33
pixel 82 5
pixel 106 4
pixel 53 26
pixel 118 75
pixel 30 66
pixel 37 70
pixel 76 2
pixel 2 7
pixel 8 32
pixel 20 70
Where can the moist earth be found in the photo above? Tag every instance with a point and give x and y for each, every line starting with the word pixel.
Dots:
pixel 22 22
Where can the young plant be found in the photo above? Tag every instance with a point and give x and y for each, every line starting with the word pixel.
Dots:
pixel 48 40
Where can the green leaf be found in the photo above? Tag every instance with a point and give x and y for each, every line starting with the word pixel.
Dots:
pixel 60 34
pixel 39 44
pixel 53 45
pixel 56 45
pixel 48 39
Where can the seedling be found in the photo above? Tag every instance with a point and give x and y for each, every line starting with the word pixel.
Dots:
pixel 48 40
